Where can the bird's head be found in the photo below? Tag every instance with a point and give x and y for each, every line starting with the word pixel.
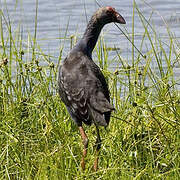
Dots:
pixel 109 14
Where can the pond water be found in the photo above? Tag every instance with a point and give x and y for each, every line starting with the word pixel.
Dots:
pixel 60 18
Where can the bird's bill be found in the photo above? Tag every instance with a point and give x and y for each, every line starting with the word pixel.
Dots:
pixel 120 19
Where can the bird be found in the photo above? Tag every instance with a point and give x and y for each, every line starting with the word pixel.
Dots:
pixel 82 86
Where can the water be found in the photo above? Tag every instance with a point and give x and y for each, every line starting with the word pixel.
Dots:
pixel 59 18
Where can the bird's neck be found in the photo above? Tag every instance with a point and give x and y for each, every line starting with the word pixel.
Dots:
pixel 90 37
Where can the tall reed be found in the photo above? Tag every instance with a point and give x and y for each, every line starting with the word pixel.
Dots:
pixel 38 139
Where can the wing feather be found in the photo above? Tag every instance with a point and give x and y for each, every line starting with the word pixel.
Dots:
pixel 83 89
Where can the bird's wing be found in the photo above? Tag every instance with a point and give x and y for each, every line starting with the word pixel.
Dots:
pixel 83 88
pixel 99 75
pixel 99 101
pixel 72 90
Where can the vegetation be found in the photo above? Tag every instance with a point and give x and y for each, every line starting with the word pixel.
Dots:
pixel 38 139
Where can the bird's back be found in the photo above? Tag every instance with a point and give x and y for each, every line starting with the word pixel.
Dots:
pixel 83 89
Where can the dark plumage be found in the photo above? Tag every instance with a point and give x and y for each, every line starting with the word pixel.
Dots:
pixel 82 86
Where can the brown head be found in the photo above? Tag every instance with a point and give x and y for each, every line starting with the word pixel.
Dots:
pixel 107 15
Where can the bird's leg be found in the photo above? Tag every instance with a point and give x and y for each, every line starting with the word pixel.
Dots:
pixel 85 143
pixel 98 146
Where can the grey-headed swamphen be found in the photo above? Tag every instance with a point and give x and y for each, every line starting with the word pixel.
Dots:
pixel 82 86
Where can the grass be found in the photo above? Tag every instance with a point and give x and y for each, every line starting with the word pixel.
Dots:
pixel 38 139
